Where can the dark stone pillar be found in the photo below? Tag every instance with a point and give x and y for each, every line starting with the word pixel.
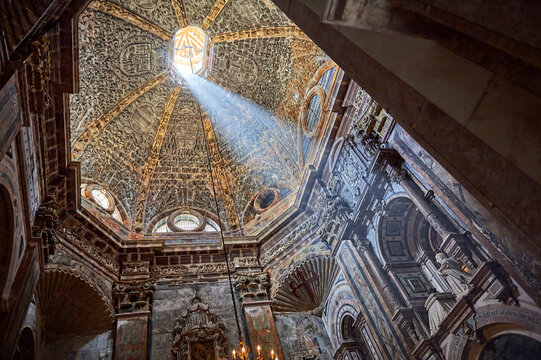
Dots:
pixel 133 304
pixel 253 289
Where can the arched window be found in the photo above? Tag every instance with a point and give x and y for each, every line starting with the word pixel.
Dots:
pixel 313 115
pixel 326 80
pixel 211 226
pixel 26 346
pixel 103 199
pixel 100 198
pixel 161 226
pixel 185 220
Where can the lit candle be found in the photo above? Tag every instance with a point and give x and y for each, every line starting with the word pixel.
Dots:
pixel 234 354
pixel 258 350
pixel 243 349
pixel 272 354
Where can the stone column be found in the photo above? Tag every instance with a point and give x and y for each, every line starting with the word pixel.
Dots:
pixel 253 289
pixel 401 314
pixel 132 305
pixel 388 289
pixel 423 202
pixel 437 220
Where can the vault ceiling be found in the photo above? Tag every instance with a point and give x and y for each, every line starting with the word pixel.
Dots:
pixel 136 126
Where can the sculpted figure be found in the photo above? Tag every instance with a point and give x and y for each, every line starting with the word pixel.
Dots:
pixel 451 270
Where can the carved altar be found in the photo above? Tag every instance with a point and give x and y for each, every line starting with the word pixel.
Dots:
pixel 201 337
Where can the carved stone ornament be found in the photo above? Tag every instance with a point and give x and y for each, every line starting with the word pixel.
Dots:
pixel 94 252
pixel 133 296
pixel 201 335
pixel 191 269
pixel 252 286
pixel 135 268
pixel 44 227
pixel 243 262
pixel 295 235
pixel 38 74
pixel 333 214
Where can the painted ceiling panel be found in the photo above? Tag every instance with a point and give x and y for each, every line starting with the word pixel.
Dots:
pixel 239 15
pixel 117 156
pixel 197 11
pixel 159 12
pixel 111 51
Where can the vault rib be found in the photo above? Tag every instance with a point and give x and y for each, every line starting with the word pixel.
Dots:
pixel 128 16
pixel 214 12
pixel 261 33
pixel 152 161
pixel 95 127
pixel 179 11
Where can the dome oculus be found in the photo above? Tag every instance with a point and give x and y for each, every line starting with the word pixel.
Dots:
pixel 189 50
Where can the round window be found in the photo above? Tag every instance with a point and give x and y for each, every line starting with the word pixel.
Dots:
pixel 187 222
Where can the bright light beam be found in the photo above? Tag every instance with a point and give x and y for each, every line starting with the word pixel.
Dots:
pixel 245 124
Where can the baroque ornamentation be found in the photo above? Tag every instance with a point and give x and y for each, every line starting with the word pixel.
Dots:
pixel 133 296
pixel 121 13
pixel 201 334
pixel 135 267
pixel 265 32
pixel 292 238
pixel 94 252
pixel 252 286
pixel 334 213
pixel 192 269
pixel 306 287
pixel 243 262
pixel 95 127
pixel 214 12
pixel 152 161
pixel 45 225
pixel 38 73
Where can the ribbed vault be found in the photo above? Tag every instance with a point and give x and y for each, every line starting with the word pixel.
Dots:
pixel 138 128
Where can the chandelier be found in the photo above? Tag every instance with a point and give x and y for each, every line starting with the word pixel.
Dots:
pixel 242 353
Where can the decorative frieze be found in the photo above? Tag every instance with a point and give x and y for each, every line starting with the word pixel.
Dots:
pixel 106 258
pixel 246 262
pixel 190 269
pixel 135 268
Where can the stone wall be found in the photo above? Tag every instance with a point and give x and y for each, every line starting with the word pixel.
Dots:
pixel 84 347
pixel 169 303
pixel 303 336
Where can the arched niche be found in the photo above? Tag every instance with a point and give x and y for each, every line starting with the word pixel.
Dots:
pixel 511 347
pixel 407 246
pixel 26 345
pixel 351 333
pixel 491 332
pixel 65 315
pixel 7 235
